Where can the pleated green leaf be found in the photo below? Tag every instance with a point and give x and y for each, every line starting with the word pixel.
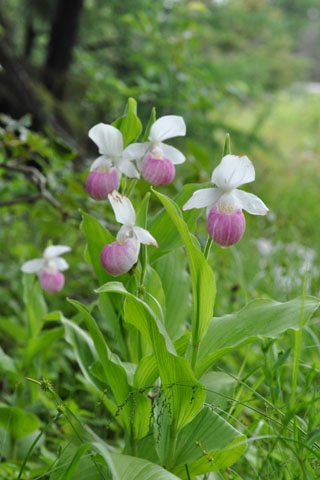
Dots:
pixel 260 318
pixel 208 444
pixel 203 281
pixel 183 392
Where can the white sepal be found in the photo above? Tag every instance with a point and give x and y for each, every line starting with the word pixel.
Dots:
pixel 108 139
pixel 167 127
pixel 60 263
pixel 232 172
pixel 124 233
pixel 55 251
pixel 122 208
pixel 102 162
pixel 33 266
pixel 249 202
pixel 144 236
pixel 127 167
pixel 206 197
pixel 136 151
pixel 172 154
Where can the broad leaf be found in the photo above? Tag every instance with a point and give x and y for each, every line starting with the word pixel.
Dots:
pixel 260 318
pixel 35 303
pixel 129 124
pixel 17 422
pixel 132 468
pixel 203 281
pixel 97 237
pixel 208 444
pixel 176 284
pixel 115 374
pixel 41 343
pixel 183 392
pixel 163 229
pixel 6 363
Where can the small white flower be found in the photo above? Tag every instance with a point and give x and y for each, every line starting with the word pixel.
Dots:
pixel 109 140
pixel 231 173
pixel 125 214
pixel 119 257
pixel 166 127
pixel 50 262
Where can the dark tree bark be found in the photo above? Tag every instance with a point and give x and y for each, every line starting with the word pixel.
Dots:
pixel 62 41
pixel 30 36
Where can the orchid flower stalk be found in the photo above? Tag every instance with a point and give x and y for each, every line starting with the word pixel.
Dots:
pixel 156 159
pixel 49 268
pixel 225 202
pixel 119 257
pixel 106 170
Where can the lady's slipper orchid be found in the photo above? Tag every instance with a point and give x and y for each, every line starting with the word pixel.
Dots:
pixel 226 222
pixel 49 268
pixel 155 159
pixel 119 257
pixel 106 170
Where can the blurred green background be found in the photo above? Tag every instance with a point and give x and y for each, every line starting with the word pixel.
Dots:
pixel 250 68
pixel 247 67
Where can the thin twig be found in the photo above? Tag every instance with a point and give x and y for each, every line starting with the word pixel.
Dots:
pixel 40 181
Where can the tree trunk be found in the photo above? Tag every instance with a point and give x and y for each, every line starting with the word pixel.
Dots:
pixel 61 43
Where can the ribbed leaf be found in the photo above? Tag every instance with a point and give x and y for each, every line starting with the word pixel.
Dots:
pixel 203 281
pixel 208 444
pixel 183 392
pixel 260 318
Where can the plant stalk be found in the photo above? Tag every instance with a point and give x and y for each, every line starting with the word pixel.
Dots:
pixel 195 349
pixel 172 447
pixel 207 248
pixel 297 348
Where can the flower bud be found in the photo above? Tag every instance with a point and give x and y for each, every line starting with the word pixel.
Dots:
pixel 119 258
pixel 226 228
pixel 100 184
pixel 51 282
pixel 158 171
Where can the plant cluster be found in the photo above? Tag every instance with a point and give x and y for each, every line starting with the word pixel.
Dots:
pixel 153 369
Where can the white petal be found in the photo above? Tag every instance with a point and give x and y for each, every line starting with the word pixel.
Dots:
pixel 136 151
pixel 107 138
pixel 125 232
pixel 167 127
pixel 233 171
pixel 33 266
pixel 60 264
pixel 102 161
pixel 206 197
pixel 144 236
pixel 122 208
pixel 250 202
pixel 127 167
pixel 172 154
pixel 55 251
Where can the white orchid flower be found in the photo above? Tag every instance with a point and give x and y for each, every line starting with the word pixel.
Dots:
pixel 49 267
pixel 226 223
pixel 106 170
pixel 119 257
pixel 231 173
pixel 155 158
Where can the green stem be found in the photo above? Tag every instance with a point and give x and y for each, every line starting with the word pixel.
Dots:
pixel 26 458
pixel 172 447
pixel 297 349
pixel 187 470
pixel 207 248
pixel 195 348
pixel 133 444
pixel 131 187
